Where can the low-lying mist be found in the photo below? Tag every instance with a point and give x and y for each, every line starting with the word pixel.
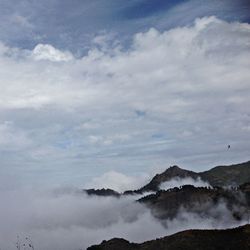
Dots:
pixel 178 182
pixel 68 219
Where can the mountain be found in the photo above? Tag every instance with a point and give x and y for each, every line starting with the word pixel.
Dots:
pixel 167 175
pixel 102 192
pixel 228 239
pixel 236 175
pixel 245 188
pixel 229 195
pixel 198 200
pixel 233 175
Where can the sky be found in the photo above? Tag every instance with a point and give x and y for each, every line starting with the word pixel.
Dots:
pixel 99 90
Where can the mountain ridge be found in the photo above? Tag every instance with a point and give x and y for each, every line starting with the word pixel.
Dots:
pixel 230 187
pixel 166 204
pixel 223 239
pixel 223 175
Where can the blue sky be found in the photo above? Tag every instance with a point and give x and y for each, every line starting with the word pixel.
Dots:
pixel 72 24
pixel 89 87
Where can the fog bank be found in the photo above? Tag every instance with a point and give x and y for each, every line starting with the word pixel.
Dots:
pixel 178 182
pixel 67 219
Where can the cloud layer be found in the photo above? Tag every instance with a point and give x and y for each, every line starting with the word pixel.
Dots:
pixel 66 219
pixel 173 97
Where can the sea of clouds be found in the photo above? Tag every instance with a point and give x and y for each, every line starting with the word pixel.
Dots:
pixel 66 218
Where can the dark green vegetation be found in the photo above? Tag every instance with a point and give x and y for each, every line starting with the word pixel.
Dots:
pixel 229 239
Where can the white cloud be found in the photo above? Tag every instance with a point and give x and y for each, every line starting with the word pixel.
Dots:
pixel 178 182
pixel 48 52
pixel 190 85
pixel 118 181
pixel 70 220
pixel 174 62
pixel 66 219
pixel 179 59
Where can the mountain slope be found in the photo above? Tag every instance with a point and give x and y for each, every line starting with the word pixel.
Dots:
pixel 198 200
pixel 167 175
pixel 233 175
pixel 229 239
pixel 236 174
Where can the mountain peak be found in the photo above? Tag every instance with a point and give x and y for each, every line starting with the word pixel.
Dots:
pixel 174 167
pixel 167 175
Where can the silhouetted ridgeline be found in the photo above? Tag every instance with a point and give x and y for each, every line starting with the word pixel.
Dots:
pixel 229 239
pixel 102 192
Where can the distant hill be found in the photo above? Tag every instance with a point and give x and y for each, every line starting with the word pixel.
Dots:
pixel 167 175
pixel 236 174
pixel 228 239
pixel 233 175
pixel 198 200
pixel 102 192
pixel 201 201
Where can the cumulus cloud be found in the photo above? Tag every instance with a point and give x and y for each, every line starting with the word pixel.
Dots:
pixel 178 182
pixel 169 52
pixel 132 108
pixel 118 181
pixel 48 52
